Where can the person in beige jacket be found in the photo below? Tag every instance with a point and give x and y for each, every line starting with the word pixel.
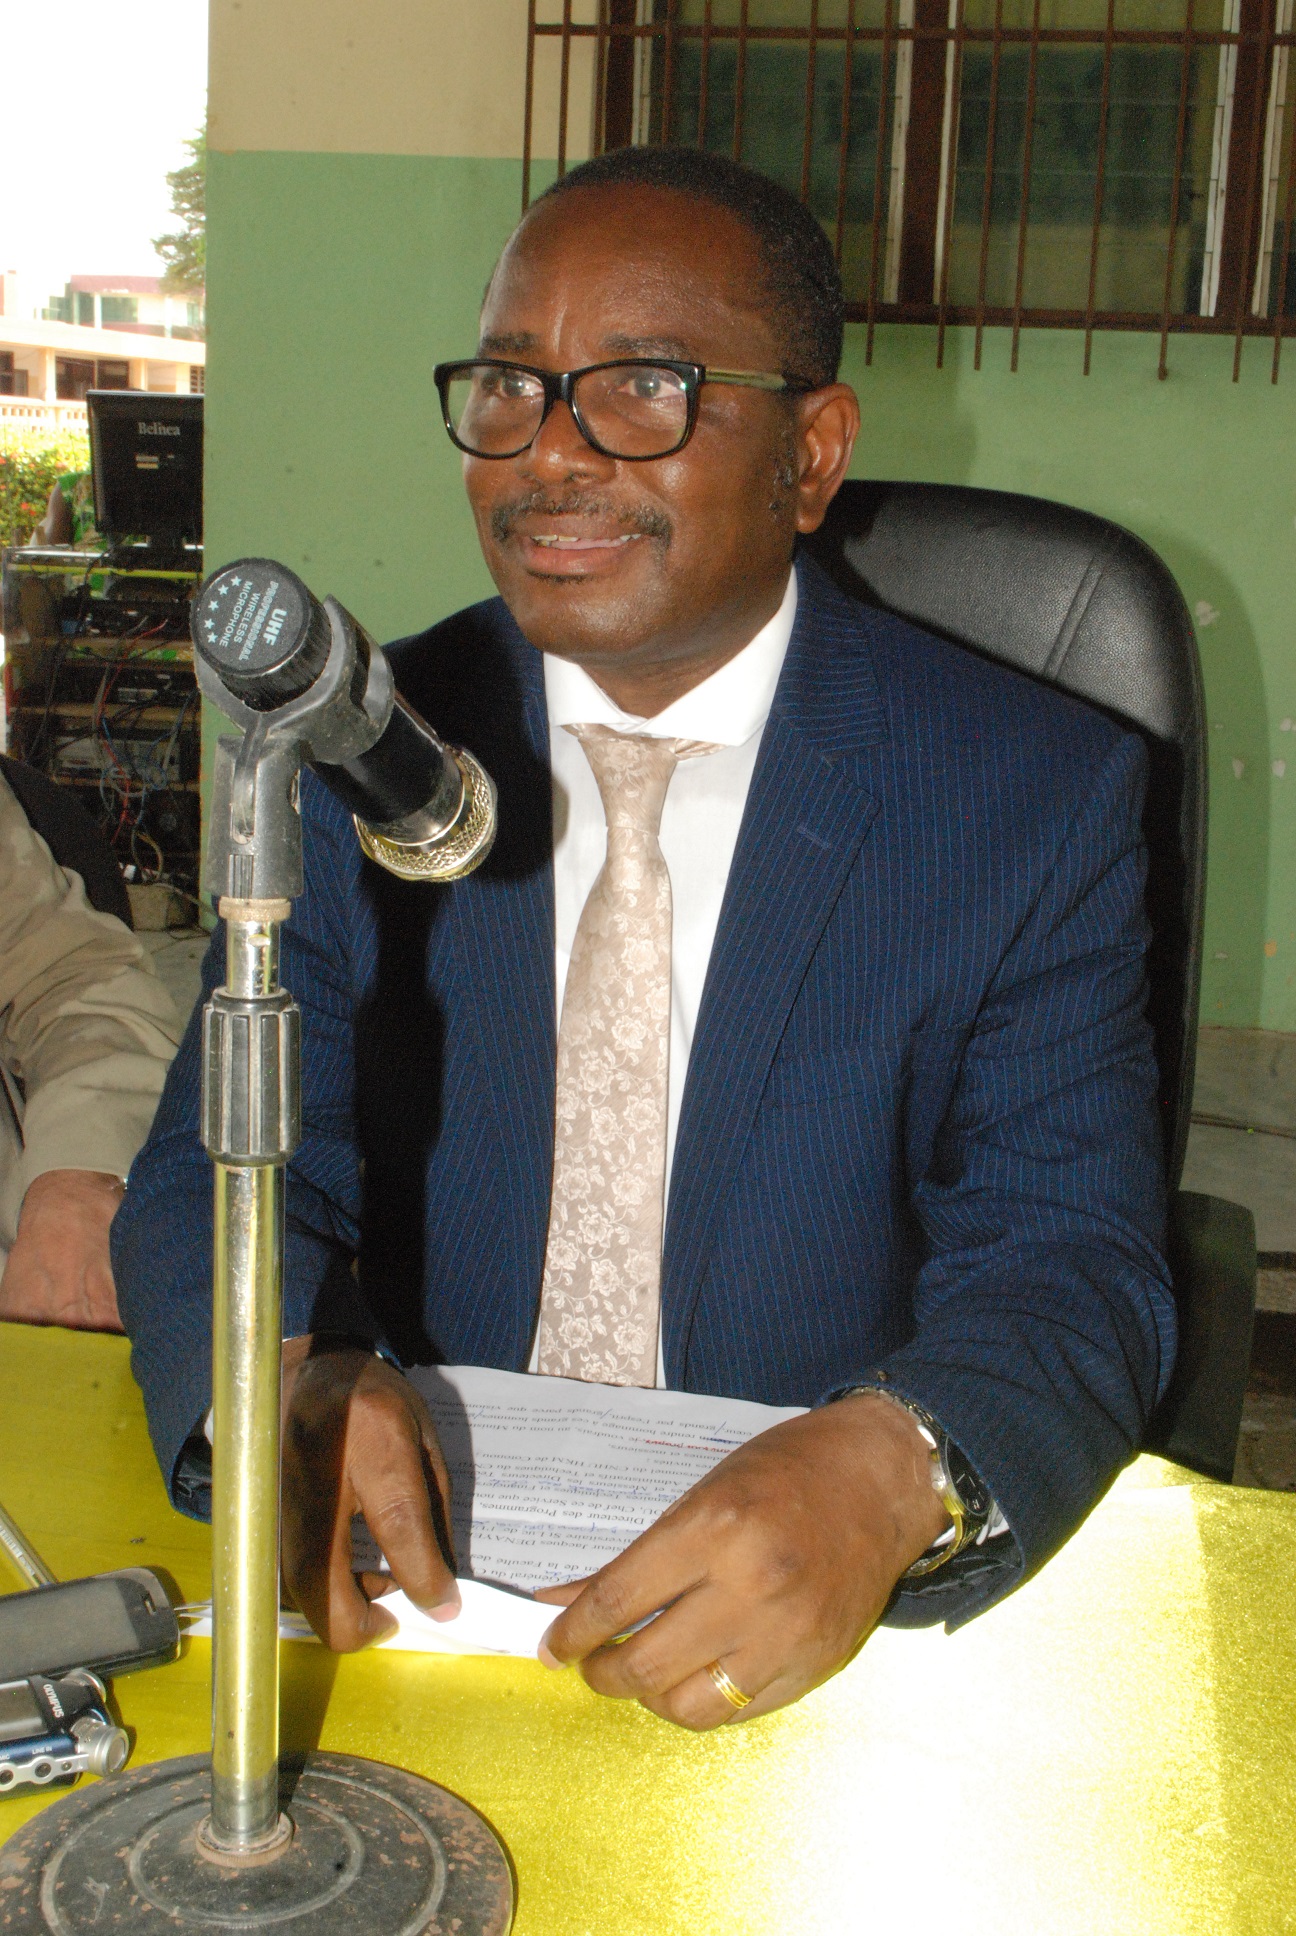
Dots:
pixel 87 1033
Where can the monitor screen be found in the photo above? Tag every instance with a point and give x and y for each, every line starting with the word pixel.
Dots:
pixel 146 451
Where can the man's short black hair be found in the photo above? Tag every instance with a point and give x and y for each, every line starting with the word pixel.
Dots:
pixel 802 281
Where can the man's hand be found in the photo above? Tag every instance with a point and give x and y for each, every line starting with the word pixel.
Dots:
pixel 357 1438
pixel 58 1270
pixel 777 1565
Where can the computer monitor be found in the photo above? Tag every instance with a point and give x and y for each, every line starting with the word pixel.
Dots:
pixel 146 453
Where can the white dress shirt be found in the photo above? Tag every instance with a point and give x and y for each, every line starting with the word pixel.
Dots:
pixel 699 824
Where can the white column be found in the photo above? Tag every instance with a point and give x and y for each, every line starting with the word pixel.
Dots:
pixel 45 378
pixel 139 370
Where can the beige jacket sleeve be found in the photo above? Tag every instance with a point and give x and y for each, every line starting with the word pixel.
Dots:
pixel 86 1027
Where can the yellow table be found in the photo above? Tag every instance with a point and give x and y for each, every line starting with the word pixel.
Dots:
pixel 1109 1753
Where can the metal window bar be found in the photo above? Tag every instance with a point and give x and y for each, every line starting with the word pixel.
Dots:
pixel 987 198
pixel 1275 125
pixel 1255 41
pixel 1289 207
pixel 843 149
pixel 1100 183
pixel 807 137
pixel 903 96
pixel 564 87
pixel 603 133
pixel 1023 223
pixel 1176 190
pixel 1223 270
pixel 704 84
pixel 1220 142
pixel 949 143
pixel 888 37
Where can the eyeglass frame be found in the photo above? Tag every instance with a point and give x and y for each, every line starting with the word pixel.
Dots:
pixel 559 387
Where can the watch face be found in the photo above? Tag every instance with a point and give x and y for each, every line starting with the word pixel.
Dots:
pixel 967 1483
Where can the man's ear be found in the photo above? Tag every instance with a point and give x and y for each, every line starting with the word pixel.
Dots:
pixel 828 424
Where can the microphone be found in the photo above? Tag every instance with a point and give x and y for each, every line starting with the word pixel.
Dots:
pixel 283 662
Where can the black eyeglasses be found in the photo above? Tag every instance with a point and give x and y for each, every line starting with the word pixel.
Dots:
pixel 628 408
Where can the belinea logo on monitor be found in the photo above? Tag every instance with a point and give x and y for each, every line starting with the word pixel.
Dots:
pixel 158 430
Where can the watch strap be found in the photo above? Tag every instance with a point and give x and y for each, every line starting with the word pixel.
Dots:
pixel 954 1481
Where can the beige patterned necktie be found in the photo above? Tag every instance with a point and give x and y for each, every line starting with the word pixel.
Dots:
pixel 599 1303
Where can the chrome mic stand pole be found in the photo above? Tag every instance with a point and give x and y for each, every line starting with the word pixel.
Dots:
pixel 251 1124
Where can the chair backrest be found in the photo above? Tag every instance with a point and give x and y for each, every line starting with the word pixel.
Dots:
pixel 1082 604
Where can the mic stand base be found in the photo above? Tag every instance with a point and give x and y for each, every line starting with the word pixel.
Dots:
pixel 373 1848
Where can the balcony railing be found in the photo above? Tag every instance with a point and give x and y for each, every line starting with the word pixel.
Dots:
pixel 32 413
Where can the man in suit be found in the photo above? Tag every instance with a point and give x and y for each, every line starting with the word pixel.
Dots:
pixel 869 1129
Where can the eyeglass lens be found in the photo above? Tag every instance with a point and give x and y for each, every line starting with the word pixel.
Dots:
pixel 631 409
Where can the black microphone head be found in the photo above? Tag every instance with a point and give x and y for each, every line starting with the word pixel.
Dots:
pixel 261 631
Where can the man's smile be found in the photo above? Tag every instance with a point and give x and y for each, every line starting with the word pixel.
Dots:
pixel 573 542
pixel 581 538
pixel 550 553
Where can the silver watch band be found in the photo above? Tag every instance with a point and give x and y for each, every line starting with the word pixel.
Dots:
pixel 967 1518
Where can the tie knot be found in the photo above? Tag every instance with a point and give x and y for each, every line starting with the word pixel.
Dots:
pixel 633 771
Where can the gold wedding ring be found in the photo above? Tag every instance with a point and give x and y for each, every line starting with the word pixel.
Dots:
pixel 723 1685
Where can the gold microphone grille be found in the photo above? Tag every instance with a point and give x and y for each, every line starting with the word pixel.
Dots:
pixel 461 848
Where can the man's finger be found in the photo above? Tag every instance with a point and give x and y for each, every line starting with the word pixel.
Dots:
pixel 332 1601
pixel 375 1585
pixel 392 1493
pixel 438 1474
pixel 698 1704
pixel 707 1624
pixel 666 1561
pixel 561 1596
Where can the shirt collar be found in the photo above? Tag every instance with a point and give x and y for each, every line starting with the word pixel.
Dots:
pixel 727 709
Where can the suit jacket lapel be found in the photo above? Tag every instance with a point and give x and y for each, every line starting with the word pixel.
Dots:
pixel 806 816
pixel 505 934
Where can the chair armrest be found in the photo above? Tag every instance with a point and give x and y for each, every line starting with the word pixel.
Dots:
pixel 1212 1254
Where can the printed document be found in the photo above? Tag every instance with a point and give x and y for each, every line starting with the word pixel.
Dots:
pixel 551 1479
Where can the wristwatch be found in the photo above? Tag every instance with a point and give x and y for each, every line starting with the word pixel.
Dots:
pixel 960 1489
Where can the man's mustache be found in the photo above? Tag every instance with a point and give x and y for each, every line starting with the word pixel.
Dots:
pixel 643 520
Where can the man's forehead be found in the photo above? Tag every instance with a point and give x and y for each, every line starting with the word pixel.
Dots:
pixel 631 270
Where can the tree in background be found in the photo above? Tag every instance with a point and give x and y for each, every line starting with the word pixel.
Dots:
pixel 184 251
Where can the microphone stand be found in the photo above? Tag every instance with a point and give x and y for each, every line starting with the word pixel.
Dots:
pixel 251 1126
pixel 346 1843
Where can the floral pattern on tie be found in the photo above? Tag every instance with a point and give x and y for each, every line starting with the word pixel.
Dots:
pixel 599 1304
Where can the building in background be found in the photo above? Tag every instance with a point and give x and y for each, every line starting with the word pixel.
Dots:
pixel 102 333
pixel 138 304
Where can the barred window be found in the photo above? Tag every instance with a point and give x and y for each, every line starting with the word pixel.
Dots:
pixel 1079 164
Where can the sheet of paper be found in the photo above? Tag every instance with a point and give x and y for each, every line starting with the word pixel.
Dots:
pixel 491 1622
pixel 551 1478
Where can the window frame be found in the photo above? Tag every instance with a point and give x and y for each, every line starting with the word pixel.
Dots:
pixel 923 44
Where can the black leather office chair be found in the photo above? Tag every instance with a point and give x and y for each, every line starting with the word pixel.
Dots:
pixel 1082 604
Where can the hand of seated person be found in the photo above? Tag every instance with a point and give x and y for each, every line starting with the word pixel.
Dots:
pixel 59 1271
pixel 357 1438
pixel 776 1566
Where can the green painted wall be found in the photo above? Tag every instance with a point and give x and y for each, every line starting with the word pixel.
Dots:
pixel 337 281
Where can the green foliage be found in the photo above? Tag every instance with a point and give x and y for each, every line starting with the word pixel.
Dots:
pixel 184 250
pixel 30 461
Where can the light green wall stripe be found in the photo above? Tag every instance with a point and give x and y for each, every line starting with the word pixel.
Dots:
pixel 336 281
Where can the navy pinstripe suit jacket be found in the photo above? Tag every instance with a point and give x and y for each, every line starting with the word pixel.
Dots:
pixel 918 1130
